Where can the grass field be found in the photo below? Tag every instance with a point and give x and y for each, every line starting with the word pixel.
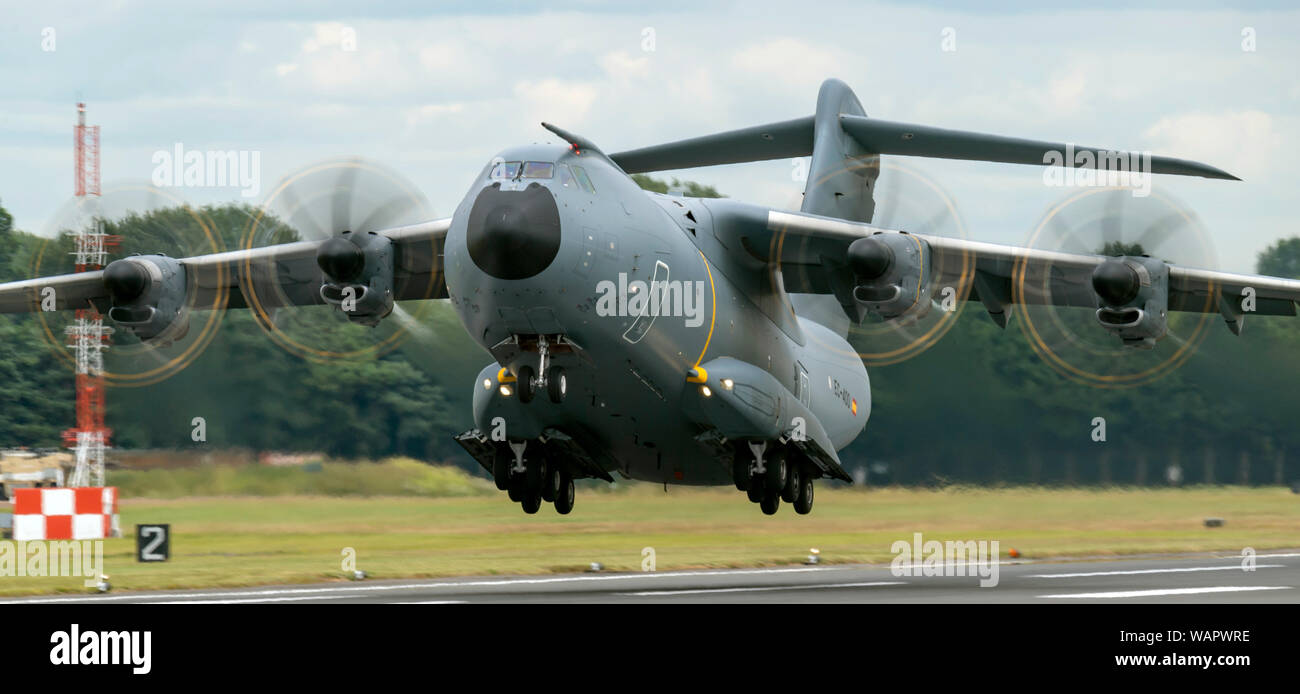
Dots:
pixel 232 541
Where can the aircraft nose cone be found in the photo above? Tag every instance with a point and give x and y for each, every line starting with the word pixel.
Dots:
pixel 126 281
pixel 1116 283
pixel 513 235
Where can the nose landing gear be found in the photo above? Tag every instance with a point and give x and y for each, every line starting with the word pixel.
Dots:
pixel 546 376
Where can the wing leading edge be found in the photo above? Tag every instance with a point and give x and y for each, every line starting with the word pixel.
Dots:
pixel 291 268
pixel 813 253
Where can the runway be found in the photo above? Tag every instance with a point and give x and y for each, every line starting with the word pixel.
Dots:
pixel 1203 578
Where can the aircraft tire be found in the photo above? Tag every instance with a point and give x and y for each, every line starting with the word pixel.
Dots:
pixel 755 489
pixel 777 470
pixel 525 384
pixel 790 491
pixel 770 503
pixel 804 503
pixel 551 482
pixel 566 497
pixel 740 468
pixel 517 489
pixel 502 461
pixel 535 472
pixel 557 385
pixel 531 502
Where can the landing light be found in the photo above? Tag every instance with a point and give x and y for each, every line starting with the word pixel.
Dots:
pixel 705 391
pixel 487 384
pixel 505 391
pixel 728 384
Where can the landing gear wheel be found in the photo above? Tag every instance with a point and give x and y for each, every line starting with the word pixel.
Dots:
pixel 556 384
pixel 502 461
pixel 803 504
pixel 770 503
pixel 525 383
pixel 740 467
pixel 755 489
pixel 535 472
pixel 776 469
pixel 790 491
pixel 551 482
pixel 564 500
pixel 531 502
pixel 518 487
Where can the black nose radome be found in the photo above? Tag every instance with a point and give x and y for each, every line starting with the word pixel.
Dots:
pixel 513 235
pixel 1116 283
pixel 125 281
pixel 340 259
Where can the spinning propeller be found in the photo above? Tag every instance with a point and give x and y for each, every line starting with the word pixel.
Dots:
pixel 1127 294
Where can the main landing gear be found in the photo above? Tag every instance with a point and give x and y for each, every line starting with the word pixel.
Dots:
pixel 770 474
pixel 524 472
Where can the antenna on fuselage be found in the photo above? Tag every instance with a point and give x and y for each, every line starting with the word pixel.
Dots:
pixel 577 143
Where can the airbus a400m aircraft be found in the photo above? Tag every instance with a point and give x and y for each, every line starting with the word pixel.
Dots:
pixel 667 338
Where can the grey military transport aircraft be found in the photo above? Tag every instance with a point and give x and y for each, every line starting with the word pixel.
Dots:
pixel 668 338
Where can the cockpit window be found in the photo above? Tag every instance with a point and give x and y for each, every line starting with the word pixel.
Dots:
pixel 506 170
pixel 583 180
pixel 538 169
pixel 565 176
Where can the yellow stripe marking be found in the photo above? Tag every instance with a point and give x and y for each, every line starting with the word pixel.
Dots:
pixel 713 293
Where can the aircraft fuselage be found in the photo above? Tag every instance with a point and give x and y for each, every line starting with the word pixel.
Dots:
pixel 550 242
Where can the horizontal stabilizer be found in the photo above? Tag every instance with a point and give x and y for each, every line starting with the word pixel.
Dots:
pixel 887 137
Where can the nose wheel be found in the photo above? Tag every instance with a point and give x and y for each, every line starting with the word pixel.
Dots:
pixel 557 385
pixel 547 377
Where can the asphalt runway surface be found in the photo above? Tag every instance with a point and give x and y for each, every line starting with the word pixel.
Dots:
pixel 1202 578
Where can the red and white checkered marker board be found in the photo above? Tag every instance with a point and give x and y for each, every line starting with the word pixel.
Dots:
pixel 78 513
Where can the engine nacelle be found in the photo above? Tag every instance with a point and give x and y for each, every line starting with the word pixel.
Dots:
pixel 147 296
pixel 1133 299
pixel 891 274
pixel 358 271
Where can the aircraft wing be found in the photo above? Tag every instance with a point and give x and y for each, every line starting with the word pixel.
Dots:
pixel 269 276
pixel 815 257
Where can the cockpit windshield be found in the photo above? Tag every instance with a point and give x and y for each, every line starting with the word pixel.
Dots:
pixel 538 169
pixel 510 170
pixel 505 170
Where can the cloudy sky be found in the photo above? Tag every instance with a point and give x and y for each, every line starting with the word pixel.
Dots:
pixel 434 93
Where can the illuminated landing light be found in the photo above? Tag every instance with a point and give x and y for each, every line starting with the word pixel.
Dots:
pixel 487 384
pixel 728 384
pixel 706 391
pixel 505 391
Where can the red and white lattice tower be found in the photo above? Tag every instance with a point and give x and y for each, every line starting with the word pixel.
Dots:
pixel 87 336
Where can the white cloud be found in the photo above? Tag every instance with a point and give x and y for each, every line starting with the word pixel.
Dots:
pixel 786 60
pixel 621 66
pixel 556 100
